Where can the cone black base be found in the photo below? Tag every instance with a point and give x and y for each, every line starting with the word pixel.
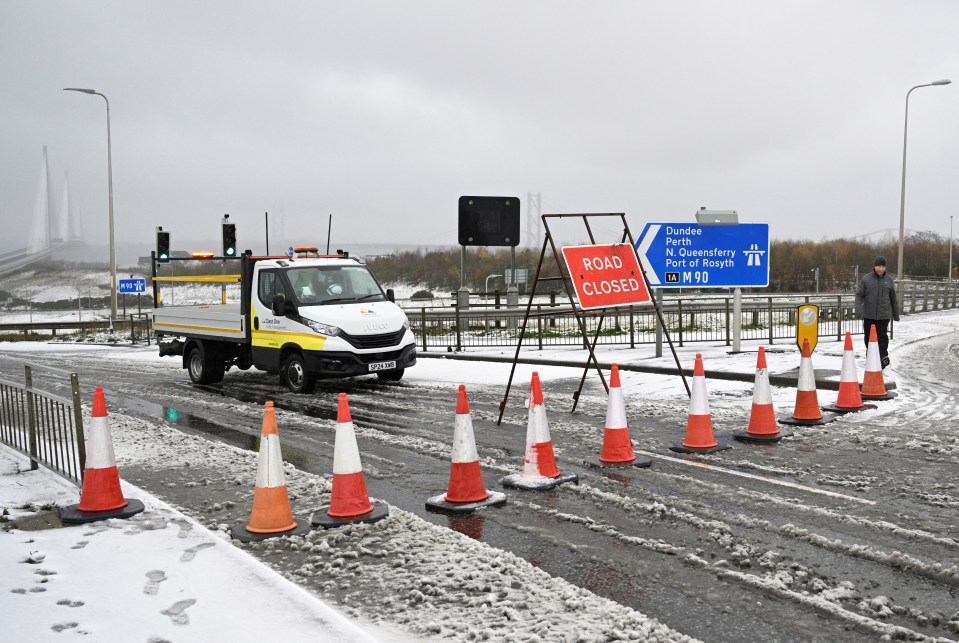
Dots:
pixel 791 421
pixel 746 436
pixel 439 503
pixel 641 462
pixel 240 532
pixel 843 409
pixel 518 481
pixel 679 448
pixel 888 396
pixel 326 521
pixel 73 516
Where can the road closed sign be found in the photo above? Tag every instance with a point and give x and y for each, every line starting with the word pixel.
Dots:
pixel 606 276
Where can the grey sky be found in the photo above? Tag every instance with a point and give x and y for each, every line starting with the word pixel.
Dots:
pixel 384 113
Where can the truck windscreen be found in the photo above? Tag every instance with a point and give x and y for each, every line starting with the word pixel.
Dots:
pixel 318 285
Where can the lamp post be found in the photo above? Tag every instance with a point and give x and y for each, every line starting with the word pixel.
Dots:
pixel 113 250
pixel 902 197
pixel 949 278
pixel 487 283
pixel 816 270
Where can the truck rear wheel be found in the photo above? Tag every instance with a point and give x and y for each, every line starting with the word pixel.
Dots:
pixel 297 378
pixel 202 369
pixel 392 375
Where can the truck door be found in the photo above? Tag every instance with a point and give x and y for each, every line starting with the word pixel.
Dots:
pixel 268 331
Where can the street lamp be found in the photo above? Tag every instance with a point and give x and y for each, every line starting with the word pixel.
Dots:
pixel 113 250
pixel 902 198
pixel 816 270
pixel 950 249
pixel 487 283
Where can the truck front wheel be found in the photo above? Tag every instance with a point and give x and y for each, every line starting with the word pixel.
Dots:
pixel 297 378
pixel 202 369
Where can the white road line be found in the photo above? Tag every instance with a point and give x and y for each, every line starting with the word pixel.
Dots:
pixel 743 474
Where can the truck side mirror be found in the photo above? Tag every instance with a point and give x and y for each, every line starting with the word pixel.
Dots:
pixel 391 295
pixel 278 305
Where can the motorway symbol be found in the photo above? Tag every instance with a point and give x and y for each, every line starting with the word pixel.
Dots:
pixel 605 276
pixel 684 255
pixel 132 286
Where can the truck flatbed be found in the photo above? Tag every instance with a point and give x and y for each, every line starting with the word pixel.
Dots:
pixel 218 321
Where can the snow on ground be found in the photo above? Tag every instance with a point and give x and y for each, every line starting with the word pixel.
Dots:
pixel 142 579
pixel 454 587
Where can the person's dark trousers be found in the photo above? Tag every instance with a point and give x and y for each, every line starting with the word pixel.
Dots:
pixel 882 327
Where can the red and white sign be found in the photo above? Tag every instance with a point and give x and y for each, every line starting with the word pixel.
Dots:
pixel 606 276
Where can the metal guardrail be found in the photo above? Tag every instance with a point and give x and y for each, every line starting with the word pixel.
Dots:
pixel 136 327
pixel 692 318
pixel 43 426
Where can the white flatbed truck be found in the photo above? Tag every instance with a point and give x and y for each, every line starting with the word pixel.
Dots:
pixel 304 317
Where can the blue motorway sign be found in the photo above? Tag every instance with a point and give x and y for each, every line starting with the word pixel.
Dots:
pixel 689 255
pixel 133 285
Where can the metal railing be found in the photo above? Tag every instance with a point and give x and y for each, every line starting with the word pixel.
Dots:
pixel 135 327
pixel 43 426
pixel 688 318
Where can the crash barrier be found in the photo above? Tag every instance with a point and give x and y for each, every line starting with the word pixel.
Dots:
pixel 688 318
pixel 134 328
pixel 43 426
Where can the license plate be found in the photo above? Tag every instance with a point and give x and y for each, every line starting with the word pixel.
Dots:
pixel 382 366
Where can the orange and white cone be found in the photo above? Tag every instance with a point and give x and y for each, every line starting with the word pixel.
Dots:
pixel 466 491
pixel 539 466
pixel 617 448
pixel 101 496
pixel 762 418
pixel 349 501
pixel 807 411
pixel 699 425
pixel 271 514
pixel 849 399
pixel 873 384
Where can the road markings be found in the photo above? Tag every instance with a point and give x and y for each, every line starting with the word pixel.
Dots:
pixel 752 476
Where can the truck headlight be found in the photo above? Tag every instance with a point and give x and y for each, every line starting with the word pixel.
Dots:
pixel 322 329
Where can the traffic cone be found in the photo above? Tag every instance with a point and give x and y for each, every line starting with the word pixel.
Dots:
pixel 617 449
pixel 873 385
pixel 807 411
pixel 762 418
pixel 466 491
pixel 849 399
pixel 100 496
pixel 271 514
pixel 699 425
pixel 539 467
pixel 349 502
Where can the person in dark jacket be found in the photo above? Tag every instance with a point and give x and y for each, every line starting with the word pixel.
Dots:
pixel 876 303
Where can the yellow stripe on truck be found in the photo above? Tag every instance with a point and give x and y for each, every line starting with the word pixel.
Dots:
pixel 277 338
pixel 212 329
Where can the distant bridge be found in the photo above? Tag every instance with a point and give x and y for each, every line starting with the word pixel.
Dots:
pixel 52 230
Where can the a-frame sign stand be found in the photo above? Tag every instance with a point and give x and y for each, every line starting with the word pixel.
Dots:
pixel 549 243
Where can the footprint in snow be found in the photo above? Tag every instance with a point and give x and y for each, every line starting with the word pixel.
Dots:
pixel 69 603
pixel 59 627
pixel 190 553
pixel 185 528
pixel 177 611
pixel 155 577
pixel 81 544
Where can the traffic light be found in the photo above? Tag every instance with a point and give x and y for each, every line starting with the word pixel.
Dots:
pixel 229 239
pixel 163 246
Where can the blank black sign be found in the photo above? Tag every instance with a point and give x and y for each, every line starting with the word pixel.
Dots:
pixel 489 221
